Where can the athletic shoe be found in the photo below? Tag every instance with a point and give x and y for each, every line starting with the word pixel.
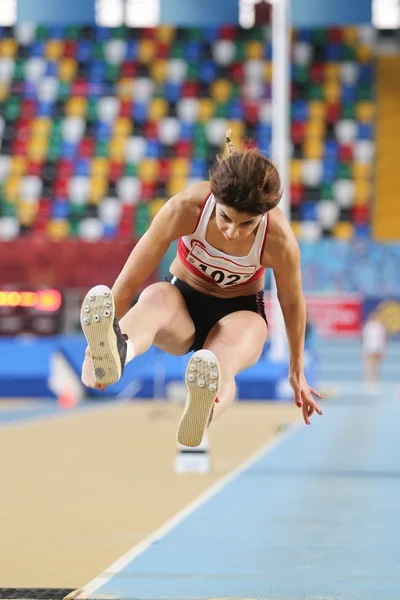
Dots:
pixel 106 342
pixel 202 380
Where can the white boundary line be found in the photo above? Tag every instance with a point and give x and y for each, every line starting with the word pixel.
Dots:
pixel 180 516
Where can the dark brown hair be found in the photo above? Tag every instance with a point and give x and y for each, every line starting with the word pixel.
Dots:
pixel 245 180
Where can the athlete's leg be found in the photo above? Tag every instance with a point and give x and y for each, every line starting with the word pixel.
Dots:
pixel 237 341
pixel 233 344
pixel 160 316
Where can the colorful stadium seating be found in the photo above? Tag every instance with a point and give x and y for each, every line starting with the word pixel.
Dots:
pixel 99 127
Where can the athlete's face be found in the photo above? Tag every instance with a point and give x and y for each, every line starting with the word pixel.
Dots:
pixel 233 224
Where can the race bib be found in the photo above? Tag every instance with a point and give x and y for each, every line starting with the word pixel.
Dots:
pixel 223 271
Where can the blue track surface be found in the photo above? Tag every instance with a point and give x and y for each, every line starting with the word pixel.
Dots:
pixel 316 518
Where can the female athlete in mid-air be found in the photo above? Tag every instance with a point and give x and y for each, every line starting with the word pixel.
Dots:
pixel 229 229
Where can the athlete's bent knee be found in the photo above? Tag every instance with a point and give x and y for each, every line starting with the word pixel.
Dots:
pixel 161 295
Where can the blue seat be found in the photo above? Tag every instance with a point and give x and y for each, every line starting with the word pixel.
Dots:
pixel 52 69
pixel 236 110
pixel 68 150
pixel 365 73
pixel 333 51
pixel 308 211
pixel 362 231
pixel 29 90
pixel 303 34
pixel 329 171
pixel 110 231
pixel 331 150
pixel 84 51
pixel 132 50
pixel 36 48
pixel 192 51
pixel 153 149
pixel 365 131
pixel 268 51
pixel 140 111
pixel 56 32
pixel 45 109
pixel 208 71
pixel 103 130
pixel 82 167
pixel 187 131
pixel 300 110
pixel 349 93
pixel 210 34
pixel 102 33
pixel 198 168
pixel 173 91
pixel 60 208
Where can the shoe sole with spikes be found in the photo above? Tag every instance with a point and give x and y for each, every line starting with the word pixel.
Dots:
pixel 97 321
pixel 202 380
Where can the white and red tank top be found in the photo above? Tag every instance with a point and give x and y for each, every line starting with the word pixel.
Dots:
pixel 205 261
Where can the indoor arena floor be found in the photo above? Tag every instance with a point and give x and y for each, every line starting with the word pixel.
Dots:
pixel 90 500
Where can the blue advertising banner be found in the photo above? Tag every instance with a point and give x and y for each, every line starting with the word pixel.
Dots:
pixel 387 311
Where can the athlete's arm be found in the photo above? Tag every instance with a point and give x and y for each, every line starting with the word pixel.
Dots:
pixel 284 257
pixel 176 218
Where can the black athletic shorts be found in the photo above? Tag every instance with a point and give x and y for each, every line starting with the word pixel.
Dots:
pixel 207 310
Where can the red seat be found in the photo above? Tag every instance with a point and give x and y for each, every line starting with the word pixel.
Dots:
pixel 60 187
pixel 227 32
pixel 164 172
pixel 346 153
pixel 125 108
pixel 80 87
pixel 296 194
pixel 335 35
pixel 129 69
pixel 298 132
pixel 65 168
pixel 151 130
pixel 86 147
pixel 163 50
pixel 183 149
pixel 19 146
pixel 70 49
pixel 317 72
pixel 251 112
pixel 28 109
pixel 237 72
pixel 360 214
pixel 147 190
pixel 332 113
pixel 116 170
pixel 190 89
pixel 34 168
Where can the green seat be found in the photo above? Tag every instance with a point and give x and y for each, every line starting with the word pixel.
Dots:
pixel 42 33
pixel 63 91
pixel 102 148
pixel 221 111
pixel 240 54
pixel 142 221
pixel 195 34
pixel 91 109
pixel 364 92
pixel 315 92
pixel 300 73
pixel 19 73
pixel 235 91
pixel 131 169
pixel 344 171
pixel 12 108
pixel 178 50
pixel 72 32
pixel 349 52
pixel 255 34
pixel 348 111
pixel 193 72
pixel 119 33
pixel 318 36
pixel 8 209
pixel 326 192
pixel 98 51
pixel 112 73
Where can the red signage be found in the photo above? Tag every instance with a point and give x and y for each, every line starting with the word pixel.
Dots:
pixel 332 316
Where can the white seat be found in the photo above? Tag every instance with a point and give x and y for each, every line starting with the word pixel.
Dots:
pixel 34 68
pixel 302 53
pixel 328 213
pixel 254 69
pixel 9 228
pixel 169 130
pixel 343 192
pixel 346 131
pixel 253 89
pixel 216 131
pixel 176 70
pixel 367 35
pixel 135 149
pixel 31 188
pixel 115 51
pixel 143 89
pixel 188 109
pixel 349 72
pixel 47 89
pixel 128 189
pixel 7 65
pixel 310 231
pixel 5 164
pixel 78 189
pixel 265 114
pixel 2 126
pixel 25 33
pixel 91 229
pixel 72 129
pixel 108 108
pixel 312 171
pixel 110 211
pixel 364 151
pixel 223 52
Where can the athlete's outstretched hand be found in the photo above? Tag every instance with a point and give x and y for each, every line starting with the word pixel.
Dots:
pixel 303 396
pixel 87 376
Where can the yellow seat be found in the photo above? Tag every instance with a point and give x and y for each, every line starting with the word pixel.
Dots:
pixel 268 71
pixel 315 129
pixel 165 34
pixel 37 147
pixel 67 69
pixel 343 230
pixel 40 126
pixel 11 188
pixel 27 212
pixel 125 88
pixel 155 206
pixel 350 35
pixel 363 192
pixel 316 110
pixel 332 91
pixel 254 50
pixel 365 53
pixel 296 228
pixel 8 48
pixel 18 165
pixel 57 229
pixel 313 148
pixel 175 185
pixel 4 91
pixel 362 171
pixel 158 70
pixel 116 148
pixel 98 189
pixel 148 170
pixel 206 109
pixel 365 111
pixel 99 166
pixel 296 170
pixel 54 49
pixel 122 126
pixel 179 168
pixel 158 109
pixel 221 90
pixel 76 106
pixel 146 51
pixel 238 131
pixel 332 71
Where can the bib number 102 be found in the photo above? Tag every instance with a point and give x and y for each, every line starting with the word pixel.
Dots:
pixel 219 276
